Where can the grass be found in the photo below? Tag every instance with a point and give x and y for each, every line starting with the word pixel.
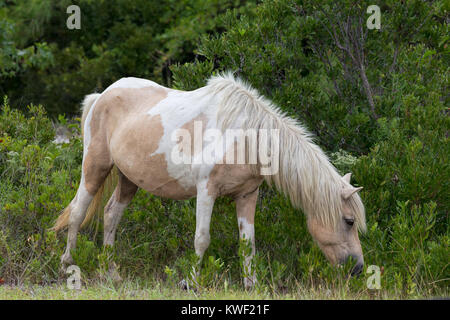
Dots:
pixel 132 290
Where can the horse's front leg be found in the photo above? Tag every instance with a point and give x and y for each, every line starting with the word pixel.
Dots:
pixel 245 209
pixel 205 204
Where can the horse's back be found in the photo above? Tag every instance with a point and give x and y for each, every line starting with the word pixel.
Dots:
pixel 132 82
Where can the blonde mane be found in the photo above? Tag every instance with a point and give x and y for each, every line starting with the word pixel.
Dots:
pixel 305 174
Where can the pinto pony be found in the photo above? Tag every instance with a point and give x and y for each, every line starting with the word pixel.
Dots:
pixel 144 129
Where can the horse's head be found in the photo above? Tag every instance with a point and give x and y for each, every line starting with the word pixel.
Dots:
pixel 340 241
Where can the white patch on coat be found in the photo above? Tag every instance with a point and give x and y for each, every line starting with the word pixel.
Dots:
pixel 177 109
pixel 246 229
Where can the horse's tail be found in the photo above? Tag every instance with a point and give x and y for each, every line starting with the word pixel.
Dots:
pixel 88 101
pixel 105 189
pixel 104 192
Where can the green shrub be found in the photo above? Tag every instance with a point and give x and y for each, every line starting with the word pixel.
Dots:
pixel 398 152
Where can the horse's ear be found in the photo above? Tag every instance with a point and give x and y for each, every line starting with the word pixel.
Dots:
pixel 347 177
pixel 348 191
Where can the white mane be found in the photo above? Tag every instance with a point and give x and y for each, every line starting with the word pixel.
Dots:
pixel 305 174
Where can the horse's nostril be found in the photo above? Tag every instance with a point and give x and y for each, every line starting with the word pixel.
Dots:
pixel 357 269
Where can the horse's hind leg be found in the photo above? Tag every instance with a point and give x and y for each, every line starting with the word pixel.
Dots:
pixel 77 208
pixel 95 169
pixel 122 196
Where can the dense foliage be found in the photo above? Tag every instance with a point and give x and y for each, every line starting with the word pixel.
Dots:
pixel 377 100
pixel 42 61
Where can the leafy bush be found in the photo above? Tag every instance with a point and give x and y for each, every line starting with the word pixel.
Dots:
pixel 396 148
pixel 42 61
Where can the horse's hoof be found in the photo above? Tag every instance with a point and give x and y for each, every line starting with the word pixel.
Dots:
pixel 249 283
pixel 115 276
pixel 66 260
pixel 113 273
pixel 183 284
pixel 63 267
pixel 62 271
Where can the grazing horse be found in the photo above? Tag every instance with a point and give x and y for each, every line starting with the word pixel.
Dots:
pixel 176 144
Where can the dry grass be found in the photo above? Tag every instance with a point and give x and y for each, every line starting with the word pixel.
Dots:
pixel 130 290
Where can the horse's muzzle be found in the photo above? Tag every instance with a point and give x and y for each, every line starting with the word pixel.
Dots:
pixel 357 269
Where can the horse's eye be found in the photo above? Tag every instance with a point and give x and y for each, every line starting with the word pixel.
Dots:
pixel 349 221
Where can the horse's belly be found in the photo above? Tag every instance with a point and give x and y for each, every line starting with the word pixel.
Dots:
pixel 133 147
pixel 154 177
